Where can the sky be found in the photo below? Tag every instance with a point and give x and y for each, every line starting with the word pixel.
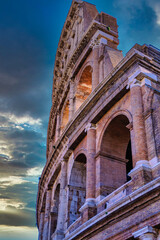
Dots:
pixel 29 35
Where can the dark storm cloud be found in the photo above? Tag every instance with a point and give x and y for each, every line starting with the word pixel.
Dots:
pixel 23 80
pixel 26 147
pixel 20 192
pixel 25 69
pixel 10 168
pixel 17 217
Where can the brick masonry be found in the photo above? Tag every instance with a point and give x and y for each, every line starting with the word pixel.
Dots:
pixel 102 175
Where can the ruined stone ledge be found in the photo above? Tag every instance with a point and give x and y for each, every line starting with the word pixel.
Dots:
pixel 117 207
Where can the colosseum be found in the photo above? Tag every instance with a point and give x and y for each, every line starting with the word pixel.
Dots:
pixel 102 175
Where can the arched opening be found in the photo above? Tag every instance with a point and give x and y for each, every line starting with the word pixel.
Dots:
pixel 65 116
pixel 77 188
pixel 54 209
pixel 115 157
pixel 84 87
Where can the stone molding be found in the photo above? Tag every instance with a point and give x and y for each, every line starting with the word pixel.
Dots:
pixel 145 230
pixel 90 126
pixel 140 77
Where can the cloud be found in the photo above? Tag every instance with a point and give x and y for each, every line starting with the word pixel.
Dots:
pixel 36 171
pixel 155 5
pixel 18 233
pixel 11 180
pixel 7 203
pixel 17 217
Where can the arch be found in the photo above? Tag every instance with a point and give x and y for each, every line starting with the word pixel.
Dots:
pixel 80 151
pixel 77 188
pixel 115 147
pixel 84 87
pixel 115 114
pixel 86 64
pixel 55 209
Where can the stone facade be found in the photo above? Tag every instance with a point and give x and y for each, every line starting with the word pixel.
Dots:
pixel 102 175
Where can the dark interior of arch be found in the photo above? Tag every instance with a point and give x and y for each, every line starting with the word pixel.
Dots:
pixel 77 188
pixel 115 155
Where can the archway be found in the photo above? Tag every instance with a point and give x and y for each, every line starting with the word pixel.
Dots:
pixel 84 87
pixel 77 188
pixel 54 210
pixel 115 158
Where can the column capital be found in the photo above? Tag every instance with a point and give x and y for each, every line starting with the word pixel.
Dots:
pixel 133 82
pixel 90 126
pixel 95 43
pixel 130 126
pixel 141 76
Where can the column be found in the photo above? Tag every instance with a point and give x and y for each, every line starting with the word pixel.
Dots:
pixel 57 127
pixel 47 214
pixel 89 209
pixel 138 122
pixel 148 95
pixel 53 218
pixel 71 99
pixel 146 233
pixel 152 155
pixel 95 73
pixel 91 152
pixel 41 223
pixel 63 203
pixel 101 69
pixel 101 58
pixel 141 173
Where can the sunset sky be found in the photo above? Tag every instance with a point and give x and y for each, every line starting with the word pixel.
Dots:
pixel 29 35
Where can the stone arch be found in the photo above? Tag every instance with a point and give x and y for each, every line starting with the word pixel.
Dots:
pixel 77 188
pixel 55 209
pixel 86 64
pixel 80 151
pixel 115 148
pixel 84 86
pixel 115 114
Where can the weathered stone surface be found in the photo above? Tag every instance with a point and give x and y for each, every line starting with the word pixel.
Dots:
pixel 102 175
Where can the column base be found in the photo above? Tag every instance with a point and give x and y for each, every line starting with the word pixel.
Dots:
pixel 58 235
pixel 88 210
pixel 141 174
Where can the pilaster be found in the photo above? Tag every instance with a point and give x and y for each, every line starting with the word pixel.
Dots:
pixel 88 210
pixel 40 237
pixel 141 172
pixel 47 214
pixel 57 126
pixel 71 98
pixel 63 203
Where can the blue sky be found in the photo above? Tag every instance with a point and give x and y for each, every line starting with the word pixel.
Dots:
pixel 29 35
